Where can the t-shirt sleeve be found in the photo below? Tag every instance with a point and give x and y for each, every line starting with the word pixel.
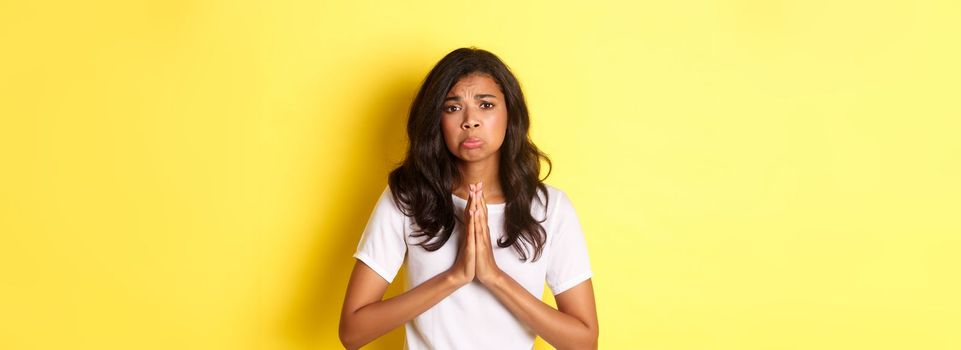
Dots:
pixel 382 246
pixel 569 264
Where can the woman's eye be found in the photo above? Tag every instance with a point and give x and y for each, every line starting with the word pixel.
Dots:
pixel 452 108
pixel 487 105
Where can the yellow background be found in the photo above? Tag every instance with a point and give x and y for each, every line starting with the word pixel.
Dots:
pixel 749 174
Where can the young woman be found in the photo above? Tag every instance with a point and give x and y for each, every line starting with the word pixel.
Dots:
pixel 471 179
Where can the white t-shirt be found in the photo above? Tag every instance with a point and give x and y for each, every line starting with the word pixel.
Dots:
pixel 472 317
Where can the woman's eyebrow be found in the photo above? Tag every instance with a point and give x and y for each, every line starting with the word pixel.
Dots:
pixel 476 97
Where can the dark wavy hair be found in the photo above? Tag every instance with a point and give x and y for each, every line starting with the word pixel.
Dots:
pixel 422 184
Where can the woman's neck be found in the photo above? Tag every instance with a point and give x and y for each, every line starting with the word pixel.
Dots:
pixel 486 171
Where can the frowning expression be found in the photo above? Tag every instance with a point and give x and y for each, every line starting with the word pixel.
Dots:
pixel 474 118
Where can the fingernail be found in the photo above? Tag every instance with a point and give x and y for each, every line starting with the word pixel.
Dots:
pixel 471 186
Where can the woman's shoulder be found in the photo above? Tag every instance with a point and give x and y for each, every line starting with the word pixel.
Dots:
pixel 554 191
pixel 556 199
pixel 386 202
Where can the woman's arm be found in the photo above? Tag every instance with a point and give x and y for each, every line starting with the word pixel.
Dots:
pixel 365 316
pixel 572 326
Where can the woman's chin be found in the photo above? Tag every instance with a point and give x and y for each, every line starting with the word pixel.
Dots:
pixel 472 155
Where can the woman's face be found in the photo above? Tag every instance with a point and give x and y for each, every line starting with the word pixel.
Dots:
pixel 474 118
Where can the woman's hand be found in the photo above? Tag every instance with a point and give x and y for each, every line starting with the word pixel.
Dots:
pixel 486 267
pixel 463 270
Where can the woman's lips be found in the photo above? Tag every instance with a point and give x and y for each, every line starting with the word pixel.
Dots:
pixel 472 142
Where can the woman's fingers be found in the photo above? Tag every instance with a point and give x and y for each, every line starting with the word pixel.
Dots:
pixel 476 213
pixel 472 208
pixel 483 201
pixel 484 228
pixel 474 189
pixel 470 200
pixel 469 213
pixel 469 227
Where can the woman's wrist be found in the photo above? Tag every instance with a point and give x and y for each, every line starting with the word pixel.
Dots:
pixel 492 277
pixel 455 278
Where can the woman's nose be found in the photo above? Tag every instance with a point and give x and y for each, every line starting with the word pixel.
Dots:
pixel 468 124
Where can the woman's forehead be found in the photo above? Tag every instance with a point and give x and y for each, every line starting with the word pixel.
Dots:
pixel 476 83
